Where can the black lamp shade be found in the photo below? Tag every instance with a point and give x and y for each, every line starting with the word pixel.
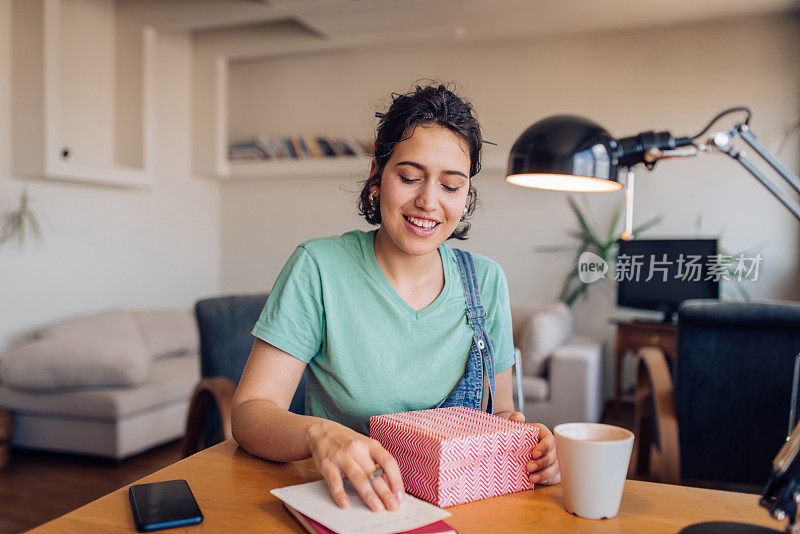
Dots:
pixel 565 153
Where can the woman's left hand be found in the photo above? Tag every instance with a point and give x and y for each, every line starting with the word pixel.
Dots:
pixel 543 468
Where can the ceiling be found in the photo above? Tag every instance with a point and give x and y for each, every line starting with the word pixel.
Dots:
pixel 259 29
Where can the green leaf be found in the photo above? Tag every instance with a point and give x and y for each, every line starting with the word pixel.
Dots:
pixel 582 222
pixel 579 235
pixel 742 291
pixel 648 224
pixel 577 292
pixel 5 229
pixel 33 224
pixel 19 221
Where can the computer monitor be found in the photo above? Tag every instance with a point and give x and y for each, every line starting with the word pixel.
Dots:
pixel 659 274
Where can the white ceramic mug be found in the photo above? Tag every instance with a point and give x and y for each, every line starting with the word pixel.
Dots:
pixel 594 463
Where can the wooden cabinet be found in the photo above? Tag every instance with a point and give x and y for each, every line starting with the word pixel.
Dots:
pixel 632 335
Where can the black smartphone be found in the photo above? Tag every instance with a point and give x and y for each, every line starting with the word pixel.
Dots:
pixel 164 505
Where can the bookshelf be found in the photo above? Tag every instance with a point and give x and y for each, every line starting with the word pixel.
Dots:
pixel 83 102
pixel 210 137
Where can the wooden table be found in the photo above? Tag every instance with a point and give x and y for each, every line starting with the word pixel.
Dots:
pixel 232 489
pixel 633 335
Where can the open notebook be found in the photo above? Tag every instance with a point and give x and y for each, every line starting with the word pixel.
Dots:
pixel 313 501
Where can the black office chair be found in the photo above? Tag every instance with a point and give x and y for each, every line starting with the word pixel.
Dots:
pixel 728 413
pixel 225 342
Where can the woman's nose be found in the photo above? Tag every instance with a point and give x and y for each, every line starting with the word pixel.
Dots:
pixel 426 197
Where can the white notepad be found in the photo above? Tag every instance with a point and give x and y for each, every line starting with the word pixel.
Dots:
pixel 314 500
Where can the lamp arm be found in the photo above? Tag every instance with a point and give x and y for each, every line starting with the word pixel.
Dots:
pixel 723 141
pixel 748 137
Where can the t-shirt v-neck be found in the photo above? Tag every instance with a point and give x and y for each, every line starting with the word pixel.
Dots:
pixel 375 271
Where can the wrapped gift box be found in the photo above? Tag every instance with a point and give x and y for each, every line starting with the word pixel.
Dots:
pixel 450 456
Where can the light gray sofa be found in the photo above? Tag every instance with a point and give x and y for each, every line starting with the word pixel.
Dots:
pixel 111 384
pixel 561 372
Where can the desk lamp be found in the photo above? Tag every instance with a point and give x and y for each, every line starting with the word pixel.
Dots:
pixel 569 153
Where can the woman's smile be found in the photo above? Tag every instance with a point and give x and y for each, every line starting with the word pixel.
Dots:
pixel 421 226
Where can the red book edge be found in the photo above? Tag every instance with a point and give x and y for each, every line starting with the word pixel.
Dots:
pixel 313 527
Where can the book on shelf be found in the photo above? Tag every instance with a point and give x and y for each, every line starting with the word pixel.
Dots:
pixel 314 149
pixel 245 151
pixel 304 147
pixel 298 147
pixel 327 149
pixel 289 148
pixel 263 143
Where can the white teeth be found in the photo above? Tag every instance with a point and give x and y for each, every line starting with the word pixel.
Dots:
pixel 421 222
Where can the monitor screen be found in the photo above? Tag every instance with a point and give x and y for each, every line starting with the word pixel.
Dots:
pixel 659 274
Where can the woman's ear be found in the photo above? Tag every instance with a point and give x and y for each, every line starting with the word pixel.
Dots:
pixel 373 170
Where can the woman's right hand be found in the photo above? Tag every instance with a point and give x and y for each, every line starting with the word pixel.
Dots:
pixel 340 451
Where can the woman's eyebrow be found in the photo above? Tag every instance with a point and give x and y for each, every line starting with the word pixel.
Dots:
pixel 422 167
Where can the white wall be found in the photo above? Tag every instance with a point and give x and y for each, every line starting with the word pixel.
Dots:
pixel 628 81
pixel 106 247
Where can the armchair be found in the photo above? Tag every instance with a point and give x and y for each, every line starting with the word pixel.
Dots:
pixel 225 342
pixel 727 415
pixel 561 372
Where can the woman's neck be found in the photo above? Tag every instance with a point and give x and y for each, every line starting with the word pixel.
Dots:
pixel 404 269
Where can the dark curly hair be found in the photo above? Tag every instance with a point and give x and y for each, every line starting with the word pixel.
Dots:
pixel 428 105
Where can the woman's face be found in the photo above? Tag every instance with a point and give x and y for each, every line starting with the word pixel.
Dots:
pixel 423 189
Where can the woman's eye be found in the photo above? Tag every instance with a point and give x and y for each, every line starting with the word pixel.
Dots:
pixel 408 180
pixel 450 189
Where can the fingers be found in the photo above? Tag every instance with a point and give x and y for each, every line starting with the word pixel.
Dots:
pixel 341 452
pixel 546 442
pixel 519 417
pixel 359 478
pixel 366 454
pixel 334 479
pixel 390 468
pixel 543 468
pixel 549 475
pixel 552 480
pixel 542 462
pixel 389 499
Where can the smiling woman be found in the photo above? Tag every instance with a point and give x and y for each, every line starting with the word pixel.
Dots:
pixel 387 321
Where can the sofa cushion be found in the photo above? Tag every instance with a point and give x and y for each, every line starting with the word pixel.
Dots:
pixel 63 363
pixel 167 332
pixel 116 325
pixel 535 389
pixel 169 380
pixel 538 332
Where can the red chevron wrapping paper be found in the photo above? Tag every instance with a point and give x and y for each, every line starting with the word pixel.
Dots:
pixel 450 456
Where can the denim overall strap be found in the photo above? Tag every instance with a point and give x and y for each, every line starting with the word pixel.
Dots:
pixel 480 363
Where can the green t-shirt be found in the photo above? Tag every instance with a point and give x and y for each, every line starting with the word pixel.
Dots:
pixel 368 351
